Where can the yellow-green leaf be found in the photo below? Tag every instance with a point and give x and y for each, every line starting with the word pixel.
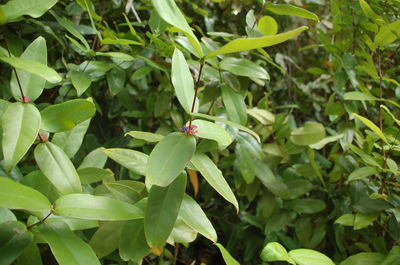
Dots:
pixel 372 126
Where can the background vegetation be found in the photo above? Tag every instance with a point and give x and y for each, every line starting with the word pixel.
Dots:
pixel 144 132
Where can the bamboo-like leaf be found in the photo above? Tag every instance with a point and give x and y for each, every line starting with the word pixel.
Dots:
pixel 15 9
pixel 291 10
pixel 372 126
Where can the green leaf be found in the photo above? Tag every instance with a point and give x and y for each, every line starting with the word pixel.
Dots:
pixel 169 158
pixel 263 116
pixel 183 82
pixel 20 123
pixel 15 9
pixel 14 238
pixel 91 175
pixel 81 81
pixel 330 139
pixel 30 255
pixel 96 158
pixel 361 173
pixel 392 257
pixel 90 207
pixel 214 177
pixel 192 214
pixel 133 244
pixel 65 116
pixel 368 10
pixel 275 252
pixel 169 11
pixel 33 67
pixel 355 95
pixel 387 34
pixel 291 10
pixel 238 126
pixel 67 248
pixel 212 131
pixel 162 211
pixel 229 260
pixel 127 190
pixel 106 239
pixel 269 180
pixel 372 126
pixel 346 219
pixel 182 233
pixel 6 215
pixel 234 104
pixel 267 25
pixel 116 55
pixel 309 257
pixel 146 136
pixel 14 195
pixel 70 141
pixel 311 133
pixel 364 258
pixel 116 81
pixel 307 206
pixel 245 44
pixel 363 220
pixel 32 85
pixel 57 167
pixel 243 67
pixel 131 159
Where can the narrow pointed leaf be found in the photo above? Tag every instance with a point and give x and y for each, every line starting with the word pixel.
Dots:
pixel 246 44
pixel 169 158
pixel 90 207
pixel 214 177
pixel 15 9
pixel 20 124
pixel 133 244
pixel 131 159
pixel 372 126
pixel 146 136
pixel 234 104
pixel 212 131
pixel 67 248
pixel 275 252
pixel 229 260
pixel 311 133
pixel 162 211
pixel 57 167
pixel 291 10
pixel 309 257
pixel 244 67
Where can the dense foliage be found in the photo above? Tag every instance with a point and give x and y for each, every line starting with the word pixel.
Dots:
pixel 199 132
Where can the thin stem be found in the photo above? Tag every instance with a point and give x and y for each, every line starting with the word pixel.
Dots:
pixel 40 221
pixel 176 252
pixel 16 75
pixel 196 90
pixel 380 95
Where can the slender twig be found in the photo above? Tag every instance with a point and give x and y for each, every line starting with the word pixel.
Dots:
pixel 40 221
pixel 380 95
pixel 196 90
pixel 176 252
pixel 16 75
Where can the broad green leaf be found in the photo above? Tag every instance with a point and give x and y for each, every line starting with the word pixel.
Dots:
pixel 234 104
pixel 127 190
pixel 116 55
pixel 36 180
pixel 372 126
pixel 263 116
pixel 192 214
pixel 133 160
pixel 6 215
pixel 14 238
pixel 20 123
pixel 96 158
pixel 183 82
pixel 162 211
pixel 269 180
pixel 70 141
pixel 308 206
pixel 14 195
pixel 355 95
pixel 368 10
pixel 361 173
pixel 133 244
pixel 386 109
pixel 33 67
pixel 346 219
pixel 245 44
pixel 15 9
pixel 275 252
pixel 212 131
pixel 86 206
pixel 309 257
pixel 30 255
pixel 267 25
pixel 116 81
pixel 169 11
pixel 387 34
pixel 319 145
pixel 169 158
pixel 243 67
pixel 81 81
pixel 106 239
pixel 57 167
pixel 238 126
pixel 364 258
pixel 32 85
pixel 229 260
pixel 291 10
pixel 214 177
pixel 392 257
pixel 65 116
pixel 363 220
pixel 182 233
pixel 67 248
pixel 311 133
pixel 146 136
pixel 91 175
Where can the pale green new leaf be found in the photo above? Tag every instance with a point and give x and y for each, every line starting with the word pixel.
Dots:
pixel 20 123
pixel 116 55
pixel 169 158
pixel 214 177
pixel 229 260
pixel 355 95
pixel 212 131
pixel 291 10
pixel 275 252
pixel 311 133
pixel 15 9
pixel 133 160
pixel 330 139
pixel 368 11
pixel 267 25
pixel 372 126
pixel 245 44
pixel 310 257
pixel 90 207
pixel 146 136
